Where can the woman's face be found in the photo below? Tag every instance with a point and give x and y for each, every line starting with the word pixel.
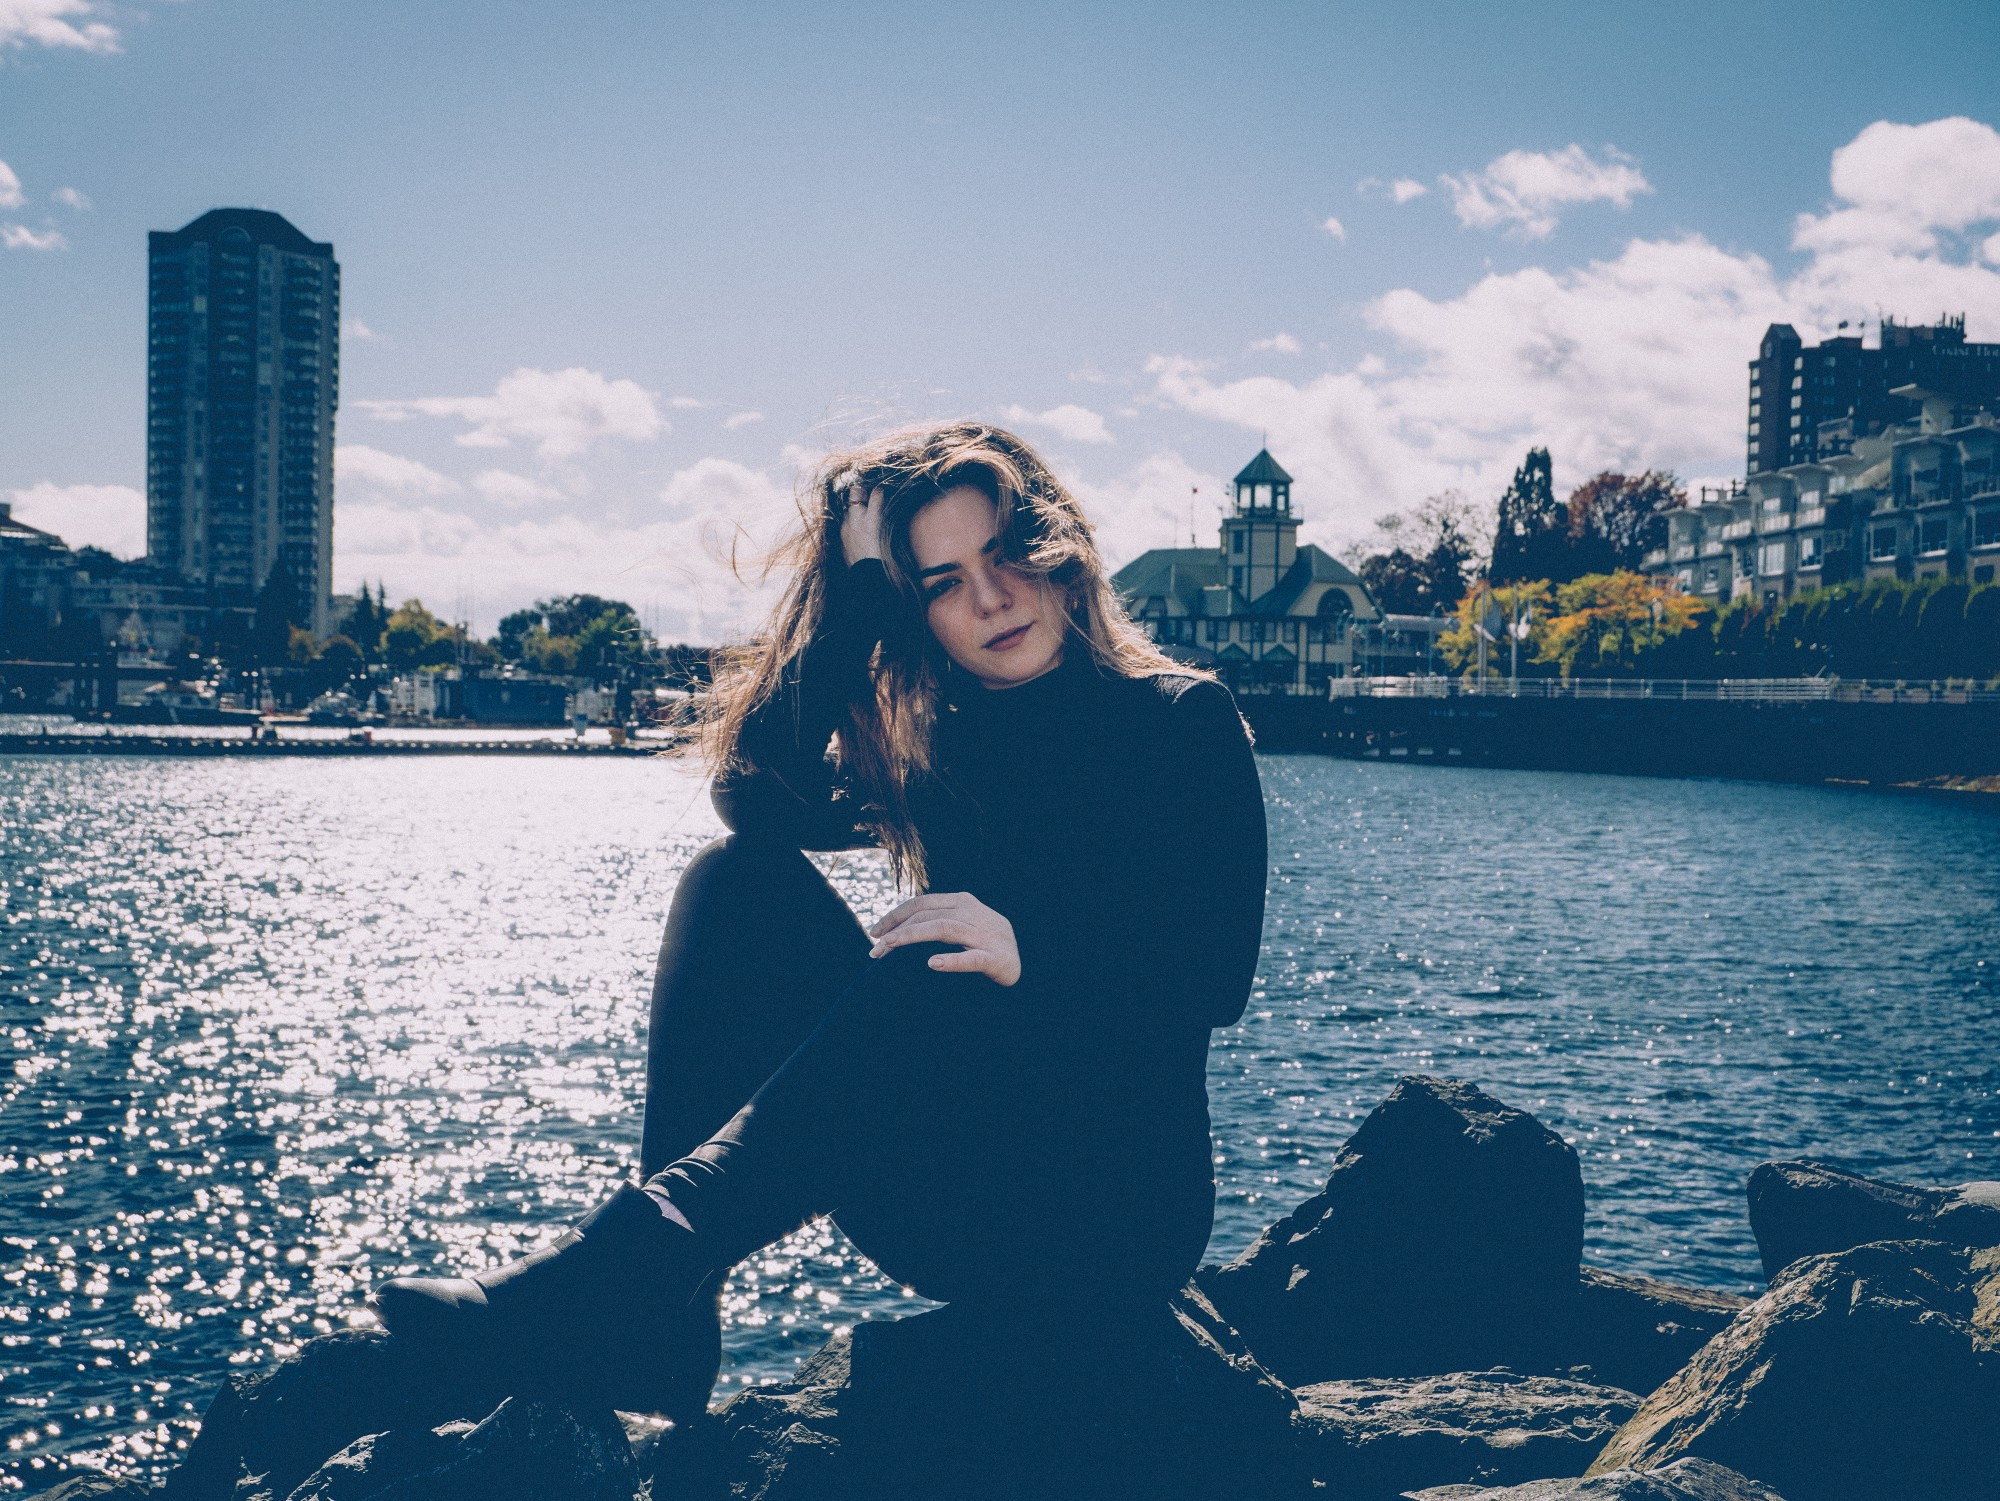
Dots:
pixel 999 624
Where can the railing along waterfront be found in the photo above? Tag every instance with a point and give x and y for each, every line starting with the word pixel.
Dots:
pixel 1683 690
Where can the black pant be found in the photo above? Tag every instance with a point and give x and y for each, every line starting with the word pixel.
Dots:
pixel 970 1139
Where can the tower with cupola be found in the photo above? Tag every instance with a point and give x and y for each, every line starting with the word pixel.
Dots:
pixel 1260 536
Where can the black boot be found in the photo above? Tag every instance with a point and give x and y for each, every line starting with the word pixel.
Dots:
pixel 619 1309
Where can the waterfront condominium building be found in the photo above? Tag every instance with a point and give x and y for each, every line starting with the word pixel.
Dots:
pixel 1917 500
pixel 243 375
pixel 1810 402
pixel 1268 613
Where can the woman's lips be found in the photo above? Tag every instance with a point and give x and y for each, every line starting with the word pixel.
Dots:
pixel 1008 640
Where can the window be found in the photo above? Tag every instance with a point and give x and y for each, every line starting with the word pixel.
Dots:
pixel 1882 543
pixel 1685 578
pixel 1808 498
pixel 1236 578
pixel 1986 527
pixel 1771 559
pixel 1809 552
pixel 1773 504
pixel 1236 541
pixel 1934 536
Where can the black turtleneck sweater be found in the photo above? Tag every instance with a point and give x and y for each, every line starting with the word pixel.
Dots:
pixel 1117 823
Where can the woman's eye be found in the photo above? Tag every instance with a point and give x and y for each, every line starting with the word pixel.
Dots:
pixel 938 589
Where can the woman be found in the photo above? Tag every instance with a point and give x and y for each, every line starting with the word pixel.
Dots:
pixel 997 1090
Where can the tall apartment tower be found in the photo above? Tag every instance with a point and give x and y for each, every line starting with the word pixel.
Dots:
pixel 243 376
pixel 1795 386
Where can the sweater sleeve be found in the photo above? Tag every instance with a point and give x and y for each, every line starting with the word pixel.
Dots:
pixel 782 785
pixel 1172 922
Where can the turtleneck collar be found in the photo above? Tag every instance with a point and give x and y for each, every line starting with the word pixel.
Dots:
pixel 1057 689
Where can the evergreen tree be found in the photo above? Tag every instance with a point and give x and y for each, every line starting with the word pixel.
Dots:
pixel 1531 537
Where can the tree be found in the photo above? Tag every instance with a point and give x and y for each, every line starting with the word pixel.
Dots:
pixel 1496 608
pixel 1428 555
pixel 366 621
pixel 575 633
pixel 1531 533
pixel 1616 519
pixel 1604 622
pixel 277 612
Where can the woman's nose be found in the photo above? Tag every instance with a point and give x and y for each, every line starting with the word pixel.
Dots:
pixel 990 593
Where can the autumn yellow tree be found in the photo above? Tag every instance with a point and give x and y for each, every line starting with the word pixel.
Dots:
pixel 1497 607
pixel 1603 621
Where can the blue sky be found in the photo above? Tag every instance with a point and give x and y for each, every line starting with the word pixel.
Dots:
pixel 612 270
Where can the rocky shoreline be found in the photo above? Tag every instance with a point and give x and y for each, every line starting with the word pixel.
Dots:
pixel 1422 1327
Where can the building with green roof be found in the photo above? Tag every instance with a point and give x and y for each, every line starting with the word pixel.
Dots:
pixel 1267 614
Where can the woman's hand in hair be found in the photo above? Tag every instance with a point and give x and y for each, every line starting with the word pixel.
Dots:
pixel 985 938
pixel 861 524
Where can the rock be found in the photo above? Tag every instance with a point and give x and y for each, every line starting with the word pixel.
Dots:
pixel 524 1451
pixel 1448 1237
pixel 1380 1436
pixel 92 1486
pixel 1634 1332
pixel 1869 1373
pixel 270 1429
pixel 1683 1480
pixel 1809 1209
pixel 968 1402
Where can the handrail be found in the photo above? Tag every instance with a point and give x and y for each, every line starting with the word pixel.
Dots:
pixel 1686 690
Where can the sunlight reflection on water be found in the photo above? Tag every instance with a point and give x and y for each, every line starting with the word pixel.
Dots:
pixel 276 1030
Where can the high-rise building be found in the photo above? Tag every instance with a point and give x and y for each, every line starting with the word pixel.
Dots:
pixel 243 376
pixel 1796 389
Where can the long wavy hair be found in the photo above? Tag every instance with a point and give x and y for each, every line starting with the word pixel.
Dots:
pixel 885 743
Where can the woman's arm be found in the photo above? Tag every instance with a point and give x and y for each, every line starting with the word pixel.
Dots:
pixel 1169 923
pixel 780 783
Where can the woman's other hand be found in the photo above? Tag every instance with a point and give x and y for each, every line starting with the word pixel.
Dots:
pixel 861 524
pixel 986 939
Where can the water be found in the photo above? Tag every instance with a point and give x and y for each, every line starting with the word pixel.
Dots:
pixel 276 1030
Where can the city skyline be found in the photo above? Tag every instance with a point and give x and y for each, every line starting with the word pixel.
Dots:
pixel 609 278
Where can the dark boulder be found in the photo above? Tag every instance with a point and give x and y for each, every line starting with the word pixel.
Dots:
pixel 1448 1237
pixel 270 1429
pixel 1810 1209
pixel 524 1451
pixel 1870 1373
pixel 1634 1332
pixel 1683 1480
pixel 1380 1436
pixel 966 1402
pixel 94 1486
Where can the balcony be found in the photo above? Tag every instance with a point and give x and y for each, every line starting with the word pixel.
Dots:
pixel 1735 530
pixel 1654 559
pixel 1778 523
pixel 1811 516
pixel 1711 549
pixel 1683 552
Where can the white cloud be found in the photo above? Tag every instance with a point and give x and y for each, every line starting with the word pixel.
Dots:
pixel 1524 190
pixel 1900 184
pixel 387 473
pixel 20 237
pixel 1335 228
pixel 673 563
pixel 1634 361
pixel 563 413
pixel 1406 189
pixel 74 198
pixel 1155 504
pixel 688 403
pixel 354 328
pixel 741 419
pixel 112 517
pixel 1278 343
pixel 1078 424
pixel 47 23
pixel 513 491
pixel 10 188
